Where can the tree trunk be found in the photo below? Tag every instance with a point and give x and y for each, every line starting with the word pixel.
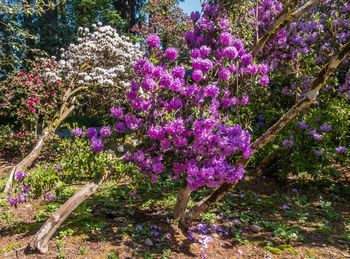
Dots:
pixel 183 197
pixel 310 97
pixel 30 158
pixel 203 205
pixel 42 237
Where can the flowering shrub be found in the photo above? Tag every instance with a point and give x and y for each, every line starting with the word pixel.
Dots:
pixel 30 101
pixel 100 57
pixel 184 119
pixel 294 56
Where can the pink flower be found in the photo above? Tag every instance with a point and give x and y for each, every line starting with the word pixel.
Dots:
pixel 134 192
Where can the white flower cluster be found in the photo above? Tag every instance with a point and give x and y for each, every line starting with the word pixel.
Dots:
pixel 100 57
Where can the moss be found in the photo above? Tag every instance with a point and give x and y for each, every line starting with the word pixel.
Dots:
pixel 288 249
pixel 273 250
pixel 8 248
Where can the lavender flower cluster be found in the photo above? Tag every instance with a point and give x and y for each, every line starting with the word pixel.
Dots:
pixel 96 142
pixel 21 190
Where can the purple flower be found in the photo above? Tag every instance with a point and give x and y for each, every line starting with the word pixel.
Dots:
pixel 230 52
pixel 319 152
pixel 139 227
pixel 50 197
pixel 197 75
pixel 91 133
pixel 224 74
pixel 96 144
pixel 226 38
pixel 77 132
pixel 247 59
pixel 223 23
pixel 171 53
pixel 238 44
pixel 165 143
pixel 180 141
pixel 317 137
pixel 133 193
pixel 153 41
pixel 20 175
pixel 286 207
pixel 294 190
pixel 302 125
pixel 264 80
pixel 179 72
pixel 195 53
pixel 325 127
pixel 105 131
pixel 195 16
pixel 120 127
pixel 340 149
pixel 204 51
pixel 117 112
pixel 148 84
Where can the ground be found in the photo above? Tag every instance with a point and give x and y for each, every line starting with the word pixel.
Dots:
pixel 297 219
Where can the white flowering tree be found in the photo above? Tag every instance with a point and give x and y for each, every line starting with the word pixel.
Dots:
pixel 99 64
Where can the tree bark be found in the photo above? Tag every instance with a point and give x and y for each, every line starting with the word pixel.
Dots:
pixel 309 98
pixel 183 197
pixel 30 158
pixel 42 237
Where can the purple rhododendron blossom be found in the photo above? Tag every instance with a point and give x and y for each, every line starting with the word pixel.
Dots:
pixel 171 53
pixel 153 41
pixel 96 145
pixel 105 131
pixel 77 132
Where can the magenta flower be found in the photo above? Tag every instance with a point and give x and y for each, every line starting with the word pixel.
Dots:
pixel 117 112
pixel 105 131
pixel 77 132
pixel 197 75
pixel 96 144
pixel 171 53
pixel 153 41
pixel 226 38
pixel 224 74
pixel 120 127
pixel 264 80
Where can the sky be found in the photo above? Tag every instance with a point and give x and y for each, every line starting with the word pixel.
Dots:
pixel 191 5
